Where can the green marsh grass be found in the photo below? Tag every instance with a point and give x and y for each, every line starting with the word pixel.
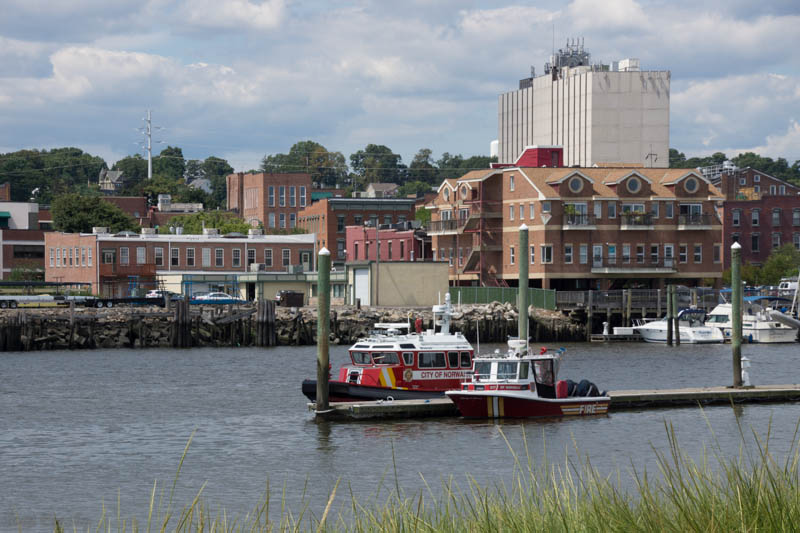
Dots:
pixel 752 491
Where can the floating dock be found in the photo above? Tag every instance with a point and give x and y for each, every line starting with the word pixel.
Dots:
pixel 620 400
pixel 616 337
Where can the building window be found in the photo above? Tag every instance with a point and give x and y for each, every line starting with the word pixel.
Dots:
pixel 271 190
pixel 124 256
pixel 292 196
pixel 683 253
pixel 776 240
pixel 108 256
pixel 450 257
pixel 268 257
pixel 141 255
pixel 511 182
pixel 176 257
pixel 89 256
pixel 58 257
pixel 669 255
pixel 271 218
pixel 206 257
pixel 654 209
pixel 736 217
pixel 691 185
pixel 70 257
pixel 511 255
pixel 782 190
pixel 190 257
pixel 547 253
pixel 533 254
pixel 796 240
pixel 756 178
pixel 583 254
pixel 282 196
pixel 292 220
pixel 612 210
pixel 237 258
pixel 754 247
pixel 219 257
pixel 612 254
pixel 531 210
pixel 796 217
pixel 340 248
pixel 698 253
pixel 282 219
pixel 633 185
pixel 402 249
pixel 521 212
pixel 159 256
pixel 654 254
pixel 755 217
pixel 640 254
pixel 568 254
pixel 776 217
pixel 717 253
pixel 546 206
pixel 287 256
pixel 626 254
pixel 302 196
pixel 83 256
pixel 52 257
pixel 773 189
pixel 598 210
pixel 669 210
pixel 251 256
pixel 339 223
pixel 511 212
pixel 460 255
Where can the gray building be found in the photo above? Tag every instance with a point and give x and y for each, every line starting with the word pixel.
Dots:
pixel 598 113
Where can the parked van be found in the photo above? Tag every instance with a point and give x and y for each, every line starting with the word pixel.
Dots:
pixel 787 287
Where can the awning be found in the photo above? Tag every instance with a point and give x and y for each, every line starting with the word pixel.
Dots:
pixel 5 214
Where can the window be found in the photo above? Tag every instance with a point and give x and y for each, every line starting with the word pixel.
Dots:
pixel 70 257
pixel 511 182
pixel 340 223
pixel 598 210
pixel 52 257
pixel 511 255
pixel 159 256
pixel 757 188
pixel 282 219
pixel 698 253
pixel 124 256
pixel 612 210
pixel 796 240
pixel 756 178
pixel 282 196
pixel 219 257
pixel 547 253
pixel 640 254
pixel 521 212
pixel 755 217
pixel 89 257
pixel 583 254
pixel 450 257
pixel 431 360
pixel 683 253
pixel 533 254
pixel 654 254
pixel 77 256
pixel 776 240
pixel 736 217
pixel 141 255
pixel 776 217
pixel 292 196
pixel 302 196
pixel 782 190
pixel 669 209
pixel 287 256
pixel 626 254
pixel 452 359
pixel 176 257
pixel 717 253
pixel 546 206
pixel 633 185
pixel 292 220
pixel 575 184
pixel 237 258
pixel 796 217
pixel 358 220
pixel 691 185
pixel 531 211
pixel 773 189
pixel 669 255
pixel 268 257
pixel 654 209
pixel 340 248
pixel 754 242
pixel 271 193
pixel 206 257
pixel 567 254
pixel 83 256
pixel 58 257
pixel 511 212
pixel 271 217
pixel 389 253
pixel 190 257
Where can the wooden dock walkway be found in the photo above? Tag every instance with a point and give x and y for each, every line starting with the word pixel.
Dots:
pixel 620 401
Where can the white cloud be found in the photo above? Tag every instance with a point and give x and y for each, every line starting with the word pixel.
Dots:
pixel 233 14
pixel 607 15
pixel 785 144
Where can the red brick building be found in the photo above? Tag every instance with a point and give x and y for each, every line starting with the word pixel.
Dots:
pixel 21 248
pixel 112 263
pixel 396 244
pixel 329 217
pixel 273 200
pixel 589 227
pixel 761 212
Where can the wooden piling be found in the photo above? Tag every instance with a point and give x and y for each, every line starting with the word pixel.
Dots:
pixel 669 314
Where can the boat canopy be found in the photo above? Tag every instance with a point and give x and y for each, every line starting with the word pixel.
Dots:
pixel 770 298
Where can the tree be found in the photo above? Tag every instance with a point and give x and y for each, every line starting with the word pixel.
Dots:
pixel 309 157
pixel 193 224
pixel 676 158
pixel 169 163
pixel 782 262
pixel 422 168
pixel 26 271
pixel 160 185
pixel 217 170
pixel 133 167
pixel 77 213
pixel 377 164
pixel 423 215
pixel 194 171
pixel 417 188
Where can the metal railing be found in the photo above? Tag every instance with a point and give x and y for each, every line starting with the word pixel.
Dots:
pixel 633 262
pixel 695 220
pixel 703 298
pixel 636 219
pixel 578 219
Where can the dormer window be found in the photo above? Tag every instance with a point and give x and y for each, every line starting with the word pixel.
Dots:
pixel 633 185
pixel 575 185
pixel 511 182
pixel 691 185
pixel 447 195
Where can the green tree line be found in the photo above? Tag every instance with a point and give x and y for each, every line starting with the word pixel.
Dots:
pixel 778 168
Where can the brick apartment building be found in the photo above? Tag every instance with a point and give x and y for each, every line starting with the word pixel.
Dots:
pixel 761 212
pixel 589 227
pixel 113 263
pixel 329 218
pixel 22 227
pixel 273 200
pixel 397 243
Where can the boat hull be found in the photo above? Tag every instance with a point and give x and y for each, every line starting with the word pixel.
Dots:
pixel 712 336
pixel 487 405
pixel 340 391
pixel 765 335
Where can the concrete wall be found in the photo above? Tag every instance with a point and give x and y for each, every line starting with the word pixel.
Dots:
pixel 409 284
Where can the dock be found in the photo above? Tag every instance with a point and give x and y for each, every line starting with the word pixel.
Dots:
pixel 616 337
pixel 620 401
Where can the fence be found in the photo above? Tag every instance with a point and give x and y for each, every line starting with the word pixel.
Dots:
pixel 541 298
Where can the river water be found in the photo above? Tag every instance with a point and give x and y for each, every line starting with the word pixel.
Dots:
pixel 83 428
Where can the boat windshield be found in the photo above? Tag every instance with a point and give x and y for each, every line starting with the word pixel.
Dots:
pixel 544 371
pixel 361 358
pixel 483 369
pixel 507 370
pixel 385 358
pixel 716 319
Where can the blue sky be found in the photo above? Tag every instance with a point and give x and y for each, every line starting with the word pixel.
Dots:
pixel 243 78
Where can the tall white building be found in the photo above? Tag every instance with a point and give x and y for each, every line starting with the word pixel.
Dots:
pixel 598 113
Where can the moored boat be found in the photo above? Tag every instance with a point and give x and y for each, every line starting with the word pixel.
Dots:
pixel 758 326
pixel 522 385
pixel 692 329
pixel 398 363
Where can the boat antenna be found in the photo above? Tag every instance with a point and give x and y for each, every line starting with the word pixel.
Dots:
pixel 478 333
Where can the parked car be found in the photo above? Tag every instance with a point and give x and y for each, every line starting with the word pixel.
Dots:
pixel 159 293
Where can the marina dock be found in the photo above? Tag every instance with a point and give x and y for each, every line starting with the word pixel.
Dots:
pixel 620 400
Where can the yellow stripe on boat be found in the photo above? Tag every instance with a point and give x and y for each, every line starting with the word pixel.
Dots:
pixel 489 410
pixel 387 378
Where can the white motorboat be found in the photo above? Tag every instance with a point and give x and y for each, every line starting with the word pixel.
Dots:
pixel 757 324
pixel 691 328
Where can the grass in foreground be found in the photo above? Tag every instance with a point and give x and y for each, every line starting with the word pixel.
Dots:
pixel 751 492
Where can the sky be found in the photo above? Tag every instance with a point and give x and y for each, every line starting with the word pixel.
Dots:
pixel 241 79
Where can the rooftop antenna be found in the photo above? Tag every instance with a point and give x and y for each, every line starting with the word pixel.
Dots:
pixel 652 156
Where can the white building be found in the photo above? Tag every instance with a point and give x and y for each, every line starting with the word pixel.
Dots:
pixel 598 113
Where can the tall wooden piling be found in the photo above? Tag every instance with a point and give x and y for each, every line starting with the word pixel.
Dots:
pixel 736 312
pixel 323 327
pixel 676 321
pixel 669 315
pixel 589 306
pixel 522 298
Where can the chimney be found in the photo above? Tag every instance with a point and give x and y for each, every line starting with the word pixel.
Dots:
pixel 97 230
pixel 254 232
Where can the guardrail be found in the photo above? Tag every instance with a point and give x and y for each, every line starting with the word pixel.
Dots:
pixel 695 220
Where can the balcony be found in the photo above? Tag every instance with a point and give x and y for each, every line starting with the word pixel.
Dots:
pixel 694 222
pixel 632 265
pixel 578 221
pixel 635 221
pixel 443 227
pixel 468 220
